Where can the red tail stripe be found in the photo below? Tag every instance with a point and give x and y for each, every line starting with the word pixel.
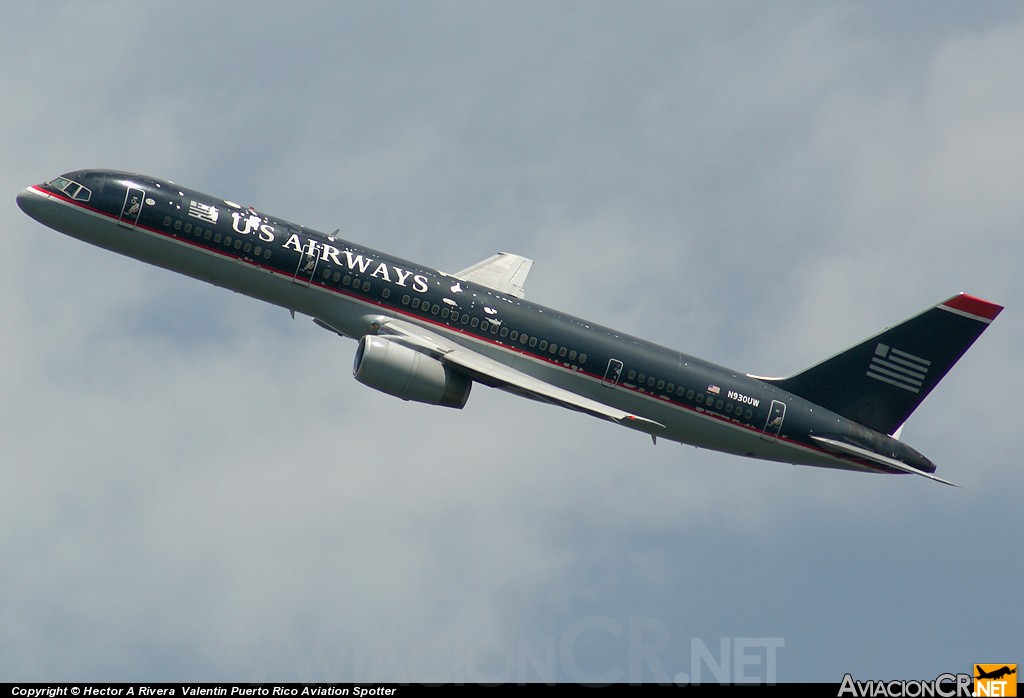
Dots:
pixel 974 306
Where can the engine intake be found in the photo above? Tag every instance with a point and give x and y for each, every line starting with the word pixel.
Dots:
pixel 397 370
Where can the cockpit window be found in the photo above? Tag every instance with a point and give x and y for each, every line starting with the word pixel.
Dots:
pixel 73 189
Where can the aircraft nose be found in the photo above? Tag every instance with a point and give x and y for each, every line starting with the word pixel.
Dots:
pixel 30 202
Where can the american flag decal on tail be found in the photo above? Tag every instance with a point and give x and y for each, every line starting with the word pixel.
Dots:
pixel 898 368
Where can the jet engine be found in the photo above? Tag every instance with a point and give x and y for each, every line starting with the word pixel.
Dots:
pixel 397 370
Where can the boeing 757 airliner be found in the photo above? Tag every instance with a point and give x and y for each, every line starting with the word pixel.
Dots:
pixel 428 336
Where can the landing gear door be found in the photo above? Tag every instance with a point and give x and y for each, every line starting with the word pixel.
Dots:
pixel 134 200
pixel 773 426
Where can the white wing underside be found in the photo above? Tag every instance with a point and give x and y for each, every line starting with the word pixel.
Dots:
pixel 497 374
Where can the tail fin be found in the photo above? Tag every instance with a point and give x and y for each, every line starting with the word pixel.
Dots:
pixel 882 380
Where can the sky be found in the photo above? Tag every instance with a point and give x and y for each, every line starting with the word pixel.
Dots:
pixel 194 488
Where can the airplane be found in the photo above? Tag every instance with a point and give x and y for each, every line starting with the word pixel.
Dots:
pixel 427 336
pixel 997 673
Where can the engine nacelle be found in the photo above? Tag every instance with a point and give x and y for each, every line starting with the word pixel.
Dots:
pixel 397 370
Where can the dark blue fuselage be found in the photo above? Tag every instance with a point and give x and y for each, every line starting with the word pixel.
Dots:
pixel 347 288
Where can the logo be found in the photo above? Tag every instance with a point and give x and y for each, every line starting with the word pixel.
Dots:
pixel 943 686
pixel 995 679
pixel 204 212
pixel 898 368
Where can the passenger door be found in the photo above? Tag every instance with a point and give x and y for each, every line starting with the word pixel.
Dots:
pixel 613 373
pixel 773 425
pixel 308 262
pixel 134 200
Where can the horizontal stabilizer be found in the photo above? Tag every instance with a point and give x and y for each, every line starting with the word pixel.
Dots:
pixel 841 448
pixel 882 380
pixel 504 272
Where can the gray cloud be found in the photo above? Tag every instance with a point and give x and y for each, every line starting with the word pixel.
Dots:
pixel 195 487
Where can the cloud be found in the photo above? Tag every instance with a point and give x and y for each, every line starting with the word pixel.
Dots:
pixel 195 488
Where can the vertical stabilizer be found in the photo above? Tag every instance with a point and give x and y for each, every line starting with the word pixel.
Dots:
pixel 882 380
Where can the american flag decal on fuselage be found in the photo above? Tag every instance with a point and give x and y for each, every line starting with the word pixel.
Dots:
pixel 898 368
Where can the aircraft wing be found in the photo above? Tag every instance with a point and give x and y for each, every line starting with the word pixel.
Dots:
pixel 496 374
pixel 503 272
